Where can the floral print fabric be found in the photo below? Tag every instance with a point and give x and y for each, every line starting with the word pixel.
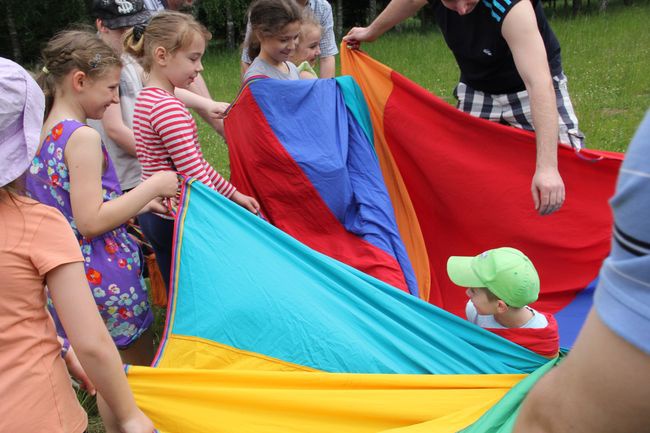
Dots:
pixel 112 260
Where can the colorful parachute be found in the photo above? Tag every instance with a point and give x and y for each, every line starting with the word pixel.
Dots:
pixel 316 175
pixel 452 185
pixel 265 333
pixel 468 182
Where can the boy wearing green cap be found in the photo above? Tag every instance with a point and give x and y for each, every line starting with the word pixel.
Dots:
pixel 500 284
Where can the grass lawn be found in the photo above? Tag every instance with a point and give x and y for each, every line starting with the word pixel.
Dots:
pixel 606 57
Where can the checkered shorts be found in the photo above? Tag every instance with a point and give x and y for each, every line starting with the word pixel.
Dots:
pixel 514 109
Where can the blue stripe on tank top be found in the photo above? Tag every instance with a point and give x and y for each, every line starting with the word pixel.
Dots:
pixel 494 14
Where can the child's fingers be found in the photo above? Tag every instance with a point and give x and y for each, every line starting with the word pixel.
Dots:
pixel 255 205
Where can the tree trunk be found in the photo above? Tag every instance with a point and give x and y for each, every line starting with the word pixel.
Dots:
pixel 372 11
pixel 13 36
pixel 577 5
pixel 230 27
pixel 338 22
pixel 603 5
pixel 427 19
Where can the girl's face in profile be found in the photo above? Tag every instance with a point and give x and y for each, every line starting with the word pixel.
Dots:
pixel 309 46
pixel 182 67
pixel 278 48
pixel 97 94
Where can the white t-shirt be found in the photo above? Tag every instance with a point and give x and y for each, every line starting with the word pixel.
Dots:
pixel 261 67
pixel 127 166
pixel 488 321
pixel 154 5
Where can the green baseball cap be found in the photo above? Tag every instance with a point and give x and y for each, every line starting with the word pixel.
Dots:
pixel 506 272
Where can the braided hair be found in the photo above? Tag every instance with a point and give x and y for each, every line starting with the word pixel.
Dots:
pixel 73 50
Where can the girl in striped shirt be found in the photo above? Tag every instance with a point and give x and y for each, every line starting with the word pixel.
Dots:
pixel 170 49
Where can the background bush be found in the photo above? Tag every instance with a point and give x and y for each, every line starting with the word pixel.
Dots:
pixel 27 24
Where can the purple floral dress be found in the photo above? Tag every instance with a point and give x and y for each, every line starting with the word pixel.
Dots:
pixel 112 260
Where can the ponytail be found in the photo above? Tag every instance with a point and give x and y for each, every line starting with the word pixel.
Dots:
pixel 133 41
pixel 47 83
pixel 168 29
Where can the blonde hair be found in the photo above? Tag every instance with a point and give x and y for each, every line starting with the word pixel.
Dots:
pixel 309 19
pixel 269 17
pixel 69 50
pixel 168 29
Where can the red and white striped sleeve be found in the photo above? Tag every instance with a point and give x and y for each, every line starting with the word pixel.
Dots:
pixel 177 130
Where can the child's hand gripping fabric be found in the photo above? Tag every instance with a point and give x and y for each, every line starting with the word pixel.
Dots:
pixel 246 202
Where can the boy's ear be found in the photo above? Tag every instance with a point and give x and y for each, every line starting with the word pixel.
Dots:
pixel 502 307
pixel 79 80
pixel 160 55
pixel 101 28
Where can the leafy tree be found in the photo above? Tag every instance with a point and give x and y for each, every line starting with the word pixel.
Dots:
pixel 28 24
pixel 226 19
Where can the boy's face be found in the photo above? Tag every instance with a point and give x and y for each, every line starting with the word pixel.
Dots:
pixel 479 298
pixel 112 37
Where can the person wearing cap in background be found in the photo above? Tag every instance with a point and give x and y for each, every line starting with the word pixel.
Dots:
pixel 113 19
pixel 500 284
pixel 38 247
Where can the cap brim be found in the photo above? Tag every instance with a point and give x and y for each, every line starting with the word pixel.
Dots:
pixel 460 271
pixel 141 17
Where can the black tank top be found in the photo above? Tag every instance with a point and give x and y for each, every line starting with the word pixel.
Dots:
pixel 484 58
